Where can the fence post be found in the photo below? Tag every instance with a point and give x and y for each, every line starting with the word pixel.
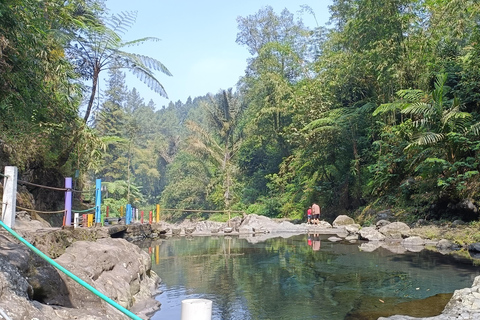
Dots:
pixel 68 202
pixel 128 214
pixel 150 217
pixel 141 219
pixel 9 201
pixel 76 220
pixel 98 200
pixel 158 213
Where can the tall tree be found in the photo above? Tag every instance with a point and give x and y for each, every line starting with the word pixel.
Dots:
pixel 220 140
pixel 100 46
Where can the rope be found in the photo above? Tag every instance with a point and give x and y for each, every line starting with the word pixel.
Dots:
pixel 78 191
pixel 41 186
pixel 192 210
pixel 71 275
pixel 31 210
pixel 80 211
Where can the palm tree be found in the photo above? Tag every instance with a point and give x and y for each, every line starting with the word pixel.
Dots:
pixel 98 47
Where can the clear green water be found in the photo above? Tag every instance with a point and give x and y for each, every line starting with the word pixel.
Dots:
pixel 290 279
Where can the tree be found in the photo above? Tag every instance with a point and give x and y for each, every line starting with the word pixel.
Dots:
pixel 100 46
pixel 219 141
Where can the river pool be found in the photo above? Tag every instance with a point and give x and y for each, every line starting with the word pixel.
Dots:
pixel 303 277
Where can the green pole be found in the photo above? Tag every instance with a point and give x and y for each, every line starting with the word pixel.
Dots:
pixel 71 275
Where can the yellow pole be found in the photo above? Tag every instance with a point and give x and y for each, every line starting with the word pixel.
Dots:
pixel 158 213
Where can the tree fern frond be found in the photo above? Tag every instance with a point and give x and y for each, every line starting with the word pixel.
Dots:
pixel 427 138
pixel 411 95
pixel 389 107
pixel 122 22
pixel 318 123
pixel 137 42
pixel 475 129
pixel 420 109
pixel 149 79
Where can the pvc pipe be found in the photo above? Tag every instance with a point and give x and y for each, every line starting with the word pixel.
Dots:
pixel 76 219
pixel 71 275
pixel 196 309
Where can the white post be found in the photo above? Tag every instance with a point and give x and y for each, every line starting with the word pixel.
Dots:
pixel 76 220
pixel 9 201
pixel 196 309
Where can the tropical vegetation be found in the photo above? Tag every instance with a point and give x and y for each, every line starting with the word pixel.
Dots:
pixel 378 110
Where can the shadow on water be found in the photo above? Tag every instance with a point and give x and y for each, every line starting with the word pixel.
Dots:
pixel 303 277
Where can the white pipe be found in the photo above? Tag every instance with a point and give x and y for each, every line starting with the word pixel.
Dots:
pixel 196 309
pixel 4 315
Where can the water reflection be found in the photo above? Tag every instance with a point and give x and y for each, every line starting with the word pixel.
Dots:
pixel 301 277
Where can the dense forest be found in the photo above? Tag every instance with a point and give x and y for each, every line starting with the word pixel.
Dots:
pixel 377 110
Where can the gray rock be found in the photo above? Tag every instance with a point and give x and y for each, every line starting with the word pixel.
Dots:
pixel 382 223
pixel 352 228
pixel 395 230
pixel 475 247
pixel 385 215
pixel 96 263
pixel 371 234
pixel 445 244
pixel 343 220
pixel 369 246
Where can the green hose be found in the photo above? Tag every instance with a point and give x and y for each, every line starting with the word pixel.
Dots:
pixel 71 275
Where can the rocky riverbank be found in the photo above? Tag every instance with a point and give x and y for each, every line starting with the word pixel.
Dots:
pixel 30 288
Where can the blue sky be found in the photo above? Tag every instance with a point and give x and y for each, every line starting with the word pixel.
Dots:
pixel 198 41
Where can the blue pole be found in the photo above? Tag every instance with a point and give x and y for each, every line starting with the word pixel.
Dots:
pixel 128 215
pixel 98 200
pixel 68 202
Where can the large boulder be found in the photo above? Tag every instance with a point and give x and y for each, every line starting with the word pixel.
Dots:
pixel 116 267
pixel 371 234
pixel 395 230
pixel 342 220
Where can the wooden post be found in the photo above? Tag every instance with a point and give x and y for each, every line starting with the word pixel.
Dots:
pixel 158 213
pixel 141 219
pixel 9 201
pixel 150 217
pixel 107 212
pixel 68 202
